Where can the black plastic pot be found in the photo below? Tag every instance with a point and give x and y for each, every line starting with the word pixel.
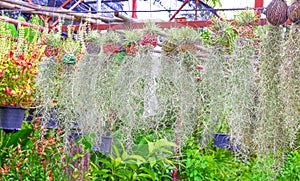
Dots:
pixel 222 140
pixel 105 146
pixel 11 117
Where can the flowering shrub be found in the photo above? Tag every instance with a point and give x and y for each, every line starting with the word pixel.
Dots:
pixel 36 157
pixel 18 70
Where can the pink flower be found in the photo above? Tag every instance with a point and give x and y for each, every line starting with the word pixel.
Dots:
pixel 1 74
pixel 15 77
pixel 8 91
pixel 199 79
pixel 199 67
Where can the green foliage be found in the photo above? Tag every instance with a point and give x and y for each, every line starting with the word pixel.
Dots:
pixel 291 168
pixel 54 40
pixel 30 34
pixel 209 164
pixel 213 3
pixel 245 17
pixel 149 163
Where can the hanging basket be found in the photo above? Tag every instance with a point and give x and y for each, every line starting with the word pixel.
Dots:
pixel 11 117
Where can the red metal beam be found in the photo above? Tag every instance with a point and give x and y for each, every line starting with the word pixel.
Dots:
pixel 140 25
pixel 259 4
pixel 134 8
pixel 182 6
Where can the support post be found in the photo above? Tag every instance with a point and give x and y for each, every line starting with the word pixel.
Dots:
pixel 134 8
pixel 259 4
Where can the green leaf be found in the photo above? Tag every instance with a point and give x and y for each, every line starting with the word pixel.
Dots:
pixel 137 158
pixel 75 157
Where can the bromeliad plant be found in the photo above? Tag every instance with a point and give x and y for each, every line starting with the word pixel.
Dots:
pixel 18 70
pixel 112 42
pixel 131 40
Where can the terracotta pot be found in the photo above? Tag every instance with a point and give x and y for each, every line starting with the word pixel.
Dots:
pixel 111 48
pixel 51 51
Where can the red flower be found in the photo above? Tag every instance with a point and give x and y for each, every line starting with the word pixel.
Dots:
pixel 199 67
pixel 11 54
pixel 22 56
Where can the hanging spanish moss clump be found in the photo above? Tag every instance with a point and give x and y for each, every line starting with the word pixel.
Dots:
pixel 156 97
pixel 290 85
pixel 241 94
pixel 269 130
pixel 213 86
pixel 276 12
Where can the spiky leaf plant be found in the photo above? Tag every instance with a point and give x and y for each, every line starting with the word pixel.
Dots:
pixel 130 41
pixel 150 34
pixel 53 42
pixel 246 20
pixel 112 42
pixel 221 33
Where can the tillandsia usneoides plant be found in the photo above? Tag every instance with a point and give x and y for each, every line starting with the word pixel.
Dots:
pixel 269 134
pixel 47 87
pixel 150 93
pixel 92 95
pixel 67 116
pixel 290 85
pixel 213 89
pixel 241 94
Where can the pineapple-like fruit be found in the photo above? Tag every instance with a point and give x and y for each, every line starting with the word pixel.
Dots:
pixel 111 48
pixel 112 42
pixel 51 51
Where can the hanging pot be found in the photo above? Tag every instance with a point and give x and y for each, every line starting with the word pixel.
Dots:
pixel 11 117
pixel 294 12
pixel 93 47
pixel 276 12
